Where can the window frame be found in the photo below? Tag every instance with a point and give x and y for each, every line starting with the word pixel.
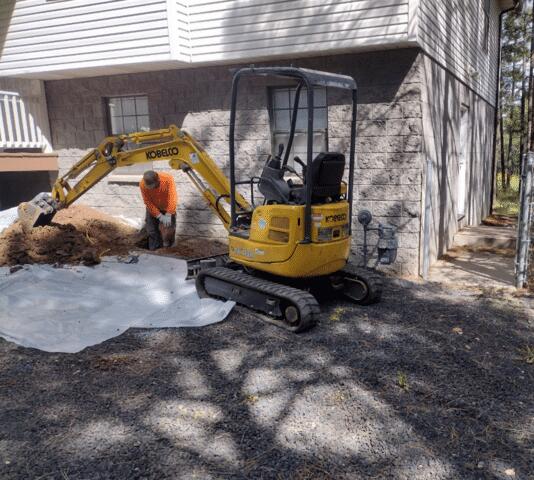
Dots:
pixel 108 111
pixel 272 122
pixel 124 175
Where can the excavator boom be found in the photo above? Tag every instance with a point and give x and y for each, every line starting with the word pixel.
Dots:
pixel 171 144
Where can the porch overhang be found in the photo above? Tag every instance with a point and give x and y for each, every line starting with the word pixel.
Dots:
pixel 28 162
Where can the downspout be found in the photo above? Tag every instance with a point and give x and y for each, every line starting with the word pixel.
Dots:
pixel 496 115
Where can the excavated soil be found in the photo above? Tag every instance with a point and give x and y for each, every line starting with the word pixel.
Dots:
pixel 195 248
pixel 81 234
pixel 78 234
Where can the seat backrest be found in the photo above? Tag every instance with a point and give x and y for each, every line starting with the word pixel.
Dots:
pixel 327 173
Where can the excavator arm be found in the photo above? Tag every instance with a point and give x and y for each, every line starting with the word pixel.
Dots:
pixel 172 144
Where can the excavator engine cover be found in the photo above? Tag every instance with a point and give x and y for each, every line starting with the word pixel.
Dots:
pixel 37 212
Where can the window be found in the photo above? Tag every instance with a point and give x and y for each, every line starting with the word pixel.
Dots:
pixel 282 100
pixel 126 115
pixel 485 33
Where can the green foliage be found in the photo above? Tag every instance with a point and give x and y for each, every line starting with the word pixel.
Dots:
pixel 507 200
pixel 527 354
pixel 402 381
pixel 515 63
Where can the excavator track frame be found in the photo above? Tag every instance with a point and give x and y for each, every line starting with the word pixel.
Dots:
pixel 273 299
pixel 293 309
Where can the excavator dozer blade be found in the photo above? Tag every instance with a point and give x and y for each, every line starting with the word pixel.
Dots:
pixel 37 212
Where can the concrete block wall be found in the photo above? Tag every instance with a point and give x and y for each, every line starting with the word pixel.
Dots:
pixel 389 146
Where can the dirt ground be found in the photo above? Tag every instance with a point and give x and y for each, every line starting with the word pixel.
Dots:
pixel 431 383
pixel 434 382
pixel 81 234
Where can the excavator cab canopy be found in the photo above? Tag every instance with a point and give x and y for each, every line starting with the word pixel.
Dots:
pixel 322 175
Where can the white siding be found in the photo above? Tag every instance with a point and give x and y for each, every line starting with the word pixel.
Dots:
pixel 243 30
pixel 451 32
pixel 77 38
pixel 184 34
pixel 43 36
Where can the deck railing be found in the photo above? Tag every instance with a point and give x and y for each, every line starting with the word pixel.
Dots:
pixel 19 122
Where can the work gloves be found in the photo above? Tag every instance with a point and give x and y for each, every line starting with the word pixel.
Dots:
pixel 165 219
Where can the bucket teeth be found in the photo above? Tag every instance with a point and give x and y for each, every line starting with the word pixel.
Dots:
pixel 37 212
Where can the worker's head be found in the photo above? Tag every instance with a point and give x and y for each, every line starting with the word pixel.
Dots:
pixel 151 179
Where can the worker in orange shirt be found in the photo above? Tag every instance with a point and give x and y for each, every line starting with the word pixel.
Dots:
pixel 159 194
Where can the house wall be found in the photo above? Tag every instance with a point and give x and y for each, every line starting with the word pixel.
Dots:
pixel 389 161
pixel 75 38
pixel 236 30
pixel 443 96
pixel 43 36
pixel 452 33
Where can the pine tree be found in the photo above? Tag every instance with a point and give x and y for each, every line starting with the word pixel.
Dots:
pixel 514 106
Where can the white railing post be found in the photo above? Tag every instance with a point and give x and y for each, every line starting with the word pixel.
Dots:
pixel 18 128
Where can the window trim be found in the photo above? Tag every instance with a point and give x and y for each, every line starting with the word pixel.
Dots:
pixel 106 100
pixel 270 105
pixel 116 176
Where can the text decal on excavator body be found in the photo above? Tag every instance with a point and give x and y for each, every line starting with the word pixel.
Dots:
pixel 340 217
pixel 161 153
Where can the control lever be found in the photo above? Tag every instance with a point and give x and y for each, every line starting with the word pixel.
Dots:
pixel 290 169
pixel 302 164
pixel 280 151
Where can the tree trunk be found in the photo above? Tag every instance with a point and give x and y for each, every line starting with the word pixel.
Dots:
pixel 501 132
pixel 510 132
pixel 523 127
pixel 531 88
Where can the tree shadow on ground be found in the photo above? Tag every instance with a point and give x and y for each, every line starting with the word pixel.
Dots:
pixel 423 385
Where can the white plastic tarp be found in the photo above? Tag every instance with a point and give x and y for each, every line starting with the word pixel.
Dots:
pixel 70 308
pixel 8 217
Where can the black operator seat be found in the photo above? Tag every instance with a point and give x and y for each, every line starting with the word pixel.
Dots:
pixel 327 173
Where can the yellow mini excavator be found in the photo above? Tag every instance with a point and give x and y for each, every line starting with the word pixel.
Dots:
pixel 295 241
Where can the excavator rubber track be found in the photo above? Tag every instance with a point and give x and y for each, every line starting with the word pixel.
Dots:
pixel 361 285
pixel 287 307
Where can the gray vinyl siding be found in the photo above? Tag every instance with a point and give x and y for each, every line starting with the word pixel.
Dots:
pixel 69 34
pixel 452 32
pixel 247 29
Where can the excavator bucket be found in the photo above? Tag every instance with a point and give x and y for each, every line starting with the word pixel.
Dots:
pixel 37 212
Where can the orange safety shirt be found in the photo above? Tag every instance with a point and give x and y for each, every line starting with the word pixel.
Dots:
pixel 163 198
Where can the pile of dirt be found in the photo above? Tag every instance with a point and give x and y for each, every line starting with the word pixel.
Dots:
pixel 78 234
pixel 195 248
pixel 81 234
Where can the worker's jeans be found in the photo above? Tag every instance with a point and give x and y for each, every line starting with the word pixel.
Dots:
pixel 155 240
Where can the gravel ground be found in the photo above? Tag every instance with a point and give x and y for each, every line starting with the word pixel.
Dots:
pixel 431 383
